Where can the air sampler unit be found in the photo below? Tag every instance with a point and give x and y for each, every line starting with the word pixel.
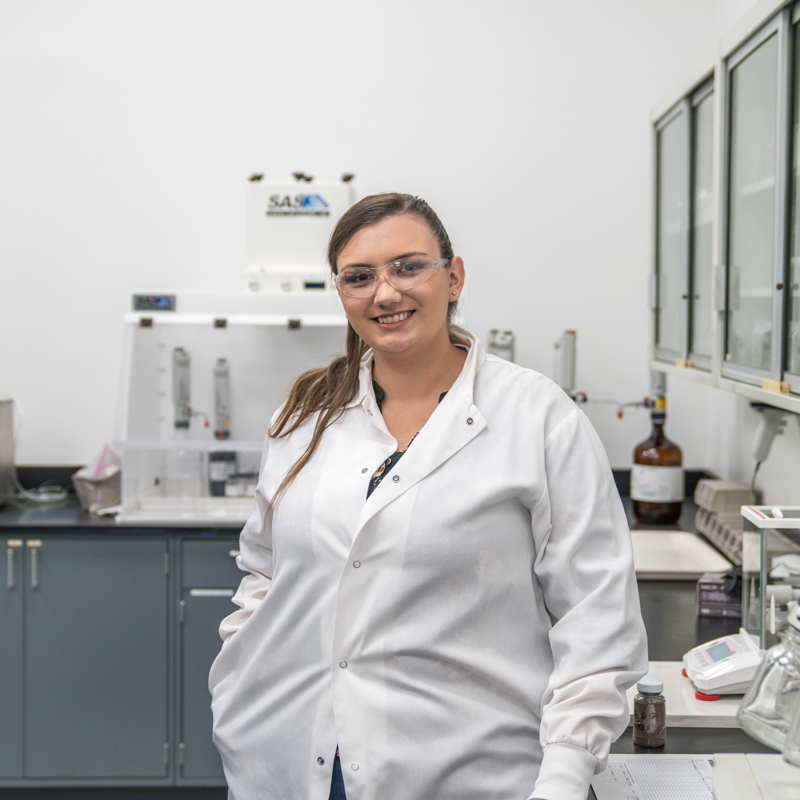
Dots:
pixel 203 373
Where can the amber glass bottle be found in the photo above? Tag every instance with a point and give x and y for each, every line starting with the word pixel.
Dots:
pixel 657 476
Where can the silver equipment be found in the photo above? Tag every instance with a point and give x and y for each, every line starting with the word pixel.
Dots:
pixel 181 397
pixel 565 361
pixel 501 344
pixel 222 391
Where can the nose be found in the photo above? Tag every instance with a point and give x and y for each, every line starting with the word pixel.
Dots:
pixel 385 293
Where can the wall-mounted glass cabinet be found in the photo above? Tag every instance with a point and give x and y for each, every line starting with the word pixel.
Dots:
pixel 753 223
pixel 684 224
pixel 726 255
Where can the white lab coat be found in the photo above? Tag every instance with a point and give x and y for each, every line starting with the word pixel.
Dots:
pixel 468 632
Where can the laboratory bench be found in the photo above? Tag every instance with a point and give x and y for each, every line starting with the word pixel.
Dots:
pixel 115 623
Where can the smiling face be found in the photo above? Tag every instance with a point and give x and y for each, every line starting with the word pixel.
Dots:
pixel 400 322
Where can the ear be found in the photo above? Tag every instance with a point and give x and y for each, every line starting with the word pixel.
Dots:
pixel 457 275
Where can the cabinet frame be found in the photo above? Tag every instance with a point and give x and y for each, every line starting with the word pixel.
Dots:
pixel 700 94
pixel 679 114
pixel 778 27
pixel 774 386
pixel 793 142
pixel 700 368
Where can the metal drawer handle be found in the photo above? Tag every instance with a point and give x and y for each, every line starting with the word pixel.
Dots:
pixel 10 567
pixel 13 544
pixel 234 553
pixel 34 567
pixel 211 592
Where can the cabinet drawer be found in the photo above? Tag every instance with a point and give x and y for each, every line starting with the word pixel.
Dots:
pixel 210 564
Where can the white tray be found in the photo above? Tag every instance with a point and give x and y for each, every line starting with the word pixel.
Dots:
pixel 674 555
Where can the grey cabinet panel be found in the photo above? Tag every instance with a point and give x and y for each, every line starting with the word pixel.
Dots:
pixel 11 660
pixel 96 673
pixel 210 563
pixel 200 644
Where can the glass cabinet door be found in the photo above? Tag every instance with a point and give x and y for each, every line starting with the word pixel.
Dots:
pixel 671 234
pixel 792 360
pixel 702 231
pixel 751 208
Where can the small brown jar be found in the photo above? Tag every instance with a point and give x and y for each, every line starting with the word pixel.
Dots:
pixel 649 714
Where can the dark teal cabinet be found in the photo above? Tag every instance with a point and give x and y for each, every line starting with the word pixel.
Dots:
pixel 106 641
pixel 11 659
pixel 84 661
pixel 209 578
pixel 96 666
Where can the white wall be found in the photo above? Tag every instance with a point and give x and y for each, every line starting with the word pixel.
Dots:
pixel 129 129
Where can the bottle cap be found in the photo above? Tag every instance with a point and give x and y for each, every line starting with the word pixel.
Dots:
pixel 658 416
pixel 794 617
pixel 650 686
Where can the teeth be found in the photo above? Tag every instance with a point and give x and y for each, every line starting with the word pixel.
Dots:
pixel 395 318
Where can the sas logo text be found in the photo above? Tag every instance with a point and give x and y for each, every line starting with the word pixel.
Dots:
pixel 303 205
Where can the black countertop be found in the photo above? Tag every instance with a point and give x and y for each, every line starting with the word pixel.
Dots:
pixel 65 515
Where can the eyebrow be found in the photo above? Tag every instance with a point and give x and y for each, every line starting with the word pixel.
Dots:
pixel 396 258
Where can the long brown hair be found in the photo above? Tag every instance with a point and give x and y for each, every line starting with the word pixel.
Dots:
pixel 328 390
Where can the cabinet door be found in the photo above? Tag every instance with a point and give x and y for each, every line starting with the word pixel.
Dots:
pixel 202 611
pixel 754 228
pixel 11 660
pixel 96 670
pixel 672 230
pixel 702 230
pixel 792 359
pixel 209 578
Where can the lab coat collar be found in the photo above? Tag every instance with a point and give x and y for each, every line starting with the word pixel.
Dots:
pixel 475 358
pixel 454 423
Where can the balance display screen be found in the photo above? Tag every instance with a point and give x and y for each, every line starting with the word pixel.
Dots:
pixel 719 651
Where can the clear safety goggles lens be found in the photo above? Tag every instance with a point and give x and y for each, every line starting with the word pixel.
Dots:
pixel 403 274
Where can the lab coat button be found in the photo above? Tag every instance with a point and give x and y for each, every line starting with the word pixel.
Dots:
pixel 363 470
pixel 320 761
pixel 343 664
pixel 369 412
pixel 354 767
pixel 356 564
pixel 395 478
pixel 470 420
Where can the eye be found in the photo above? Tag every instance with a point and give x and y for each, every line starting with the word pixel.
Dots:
pixel 410 267
pixel 355 277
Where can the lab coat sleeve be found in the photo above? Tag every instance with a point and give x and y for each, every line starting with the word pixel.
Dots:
pixel 255 558
pixel 584 564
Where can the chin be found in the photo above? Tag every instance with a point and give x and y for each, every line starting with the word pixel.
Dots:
pixel 392 344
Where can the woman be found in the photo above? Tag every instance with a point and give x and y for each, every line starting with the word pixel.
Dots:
pixel 440 588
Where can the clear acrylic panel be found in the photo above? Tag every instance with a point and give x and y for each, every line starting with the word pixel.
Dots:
pixel 793 340
pixel 671 233
pixel 702 226
pixel 751 220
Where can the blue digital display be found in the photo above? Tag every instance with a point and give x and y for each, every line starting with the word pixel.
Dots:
pixel 154 302
pixel 720 651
